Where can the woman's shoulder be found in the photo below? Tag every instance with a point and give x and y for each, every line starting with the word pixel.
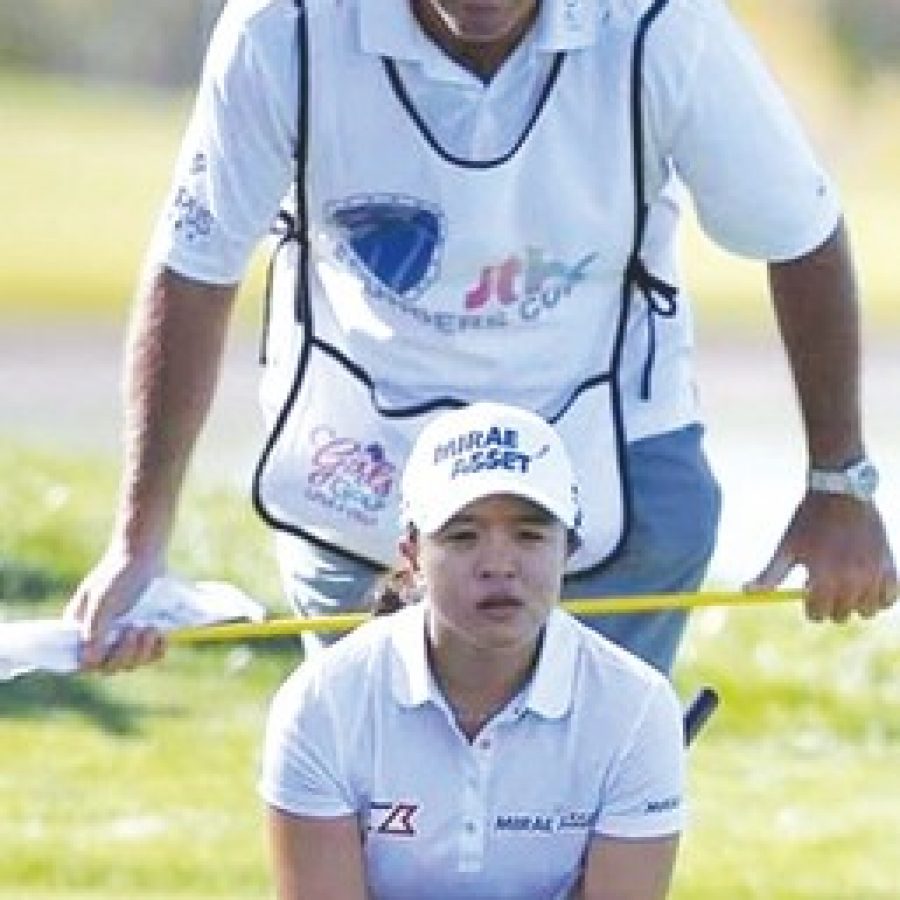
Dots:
pixel 370 644
pixel 609 663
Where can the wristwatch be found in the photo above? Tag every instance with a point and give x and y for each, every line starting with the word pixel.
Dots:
pixel 858 479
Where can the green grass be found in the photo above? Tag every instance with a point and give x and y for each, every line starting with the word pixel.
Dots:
pixel 86 170
pixel 142 786
pixel 85 174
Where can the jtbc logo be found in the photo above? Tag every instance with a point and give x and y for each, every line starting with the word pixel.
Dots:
pixel 515 279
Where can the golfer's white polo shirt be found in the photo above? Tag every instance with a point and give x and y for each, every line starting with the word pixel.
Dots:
pixel 593 745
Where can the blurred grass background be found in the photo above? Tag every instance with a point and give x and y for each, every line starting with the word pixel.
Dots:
pixel 142 786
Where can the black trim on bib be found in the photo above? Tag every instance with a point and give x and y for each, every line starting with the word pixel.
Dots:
pixel 447 402
pixel 298 228
pixel 658 295
pixel 286 228
pixel 632 278
pixel 403 96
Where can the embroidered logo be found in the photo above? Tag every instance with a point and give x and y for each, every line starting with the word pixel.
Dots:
pixel 393 242
pixel 188 213
pixel 523 823
pixel 349 476
pixel 394 818
pixel 665 805
pixel 199 163
pixel 493 448
pixel 534 284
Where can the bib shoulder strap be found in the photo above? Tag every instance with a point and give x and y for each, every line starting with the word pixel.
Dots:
pixel 658 295
pixel 301 225
pixel 637 120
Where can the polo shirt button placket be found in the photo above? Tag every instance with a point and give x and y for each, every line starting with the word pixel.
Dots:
pixel 474 811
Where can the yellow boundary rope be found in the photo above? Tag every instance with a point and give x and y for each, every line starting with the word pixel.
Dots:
pixel 281 627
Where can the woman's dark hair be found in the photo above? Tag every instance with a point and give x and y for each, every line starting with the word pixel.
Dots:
pixel 393 591
pixel 397 587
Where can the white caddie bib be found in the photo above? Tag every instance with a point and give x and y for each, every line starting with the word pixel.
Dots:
pixel 412 281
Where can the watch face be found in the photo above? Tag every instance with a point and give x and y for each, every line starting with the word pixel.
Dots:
pixel 866 478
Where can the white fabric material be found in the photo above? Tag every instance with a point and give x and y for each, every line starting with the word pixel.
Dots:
pixel 714 118
pixel 362 729
pixel 52 645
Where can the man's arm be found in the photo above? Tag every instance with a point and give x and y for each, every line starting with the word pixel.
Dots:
pixel 840 540
pixel 172 363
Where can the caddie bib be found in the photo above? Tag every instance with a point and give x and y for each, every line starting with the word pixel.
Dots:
pixel 410 280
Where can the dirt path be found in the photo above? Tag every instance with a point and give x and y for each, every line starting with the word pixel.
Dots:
pixel 61 386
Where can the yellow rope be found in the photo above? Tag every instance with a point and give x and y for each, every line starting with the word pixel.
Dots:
pixel 240 631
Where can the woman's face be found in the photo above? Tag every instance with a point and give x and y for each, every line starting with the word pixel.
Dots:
pixel 493 573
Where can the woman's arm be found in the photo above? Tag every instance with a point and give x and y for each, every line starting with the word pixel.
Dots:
pixel 617 869
pixel 631 853
pixel 316 858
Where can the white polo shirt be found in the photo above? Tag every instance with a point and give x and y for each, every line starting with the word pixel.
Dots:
pixel 591 746
pixel 716 124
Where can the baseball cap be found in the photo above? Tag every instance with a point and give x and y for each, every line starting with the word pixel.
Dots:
pixel 481 450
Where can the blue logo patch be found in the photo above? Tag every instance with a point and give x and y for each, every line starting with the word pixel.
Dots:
pixel 393 242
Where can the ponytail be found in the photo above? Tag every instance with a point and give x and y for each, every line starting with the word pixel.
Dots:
pixel 397 588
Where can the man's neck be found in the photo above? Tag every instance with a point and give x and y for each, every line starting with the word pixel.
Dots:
pixel 481 57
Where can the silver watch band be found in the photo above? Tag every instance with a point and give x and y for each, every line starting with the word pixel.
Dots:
pixel 858 480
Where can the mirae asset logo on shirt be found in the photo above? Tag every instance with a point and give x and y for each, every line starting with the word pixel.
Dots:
pixel 398 819
pixel 541 824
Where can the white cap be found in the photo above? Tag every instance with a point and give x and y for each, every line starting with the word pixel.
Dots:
pixel 482 450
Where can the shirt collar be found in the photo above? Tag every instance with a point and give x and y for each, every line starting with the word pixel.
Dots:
pixel 568 24
pixel 395 35
pixel 549 694
pixel 411 681
pixel 561 25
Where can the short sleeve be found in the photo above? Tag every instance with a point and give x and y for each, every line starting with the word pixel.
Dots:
pixel 235 163
pixel 756 184
pixel 302 764
pixel 644 791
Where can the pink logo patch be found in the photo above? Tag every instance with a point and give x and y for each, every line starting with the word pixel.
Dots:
pixel 348 475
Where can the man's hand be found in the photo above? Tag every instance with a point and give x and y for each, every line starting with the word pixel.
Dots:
pixel 840 540
pixel 109 590
pixel 843 545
